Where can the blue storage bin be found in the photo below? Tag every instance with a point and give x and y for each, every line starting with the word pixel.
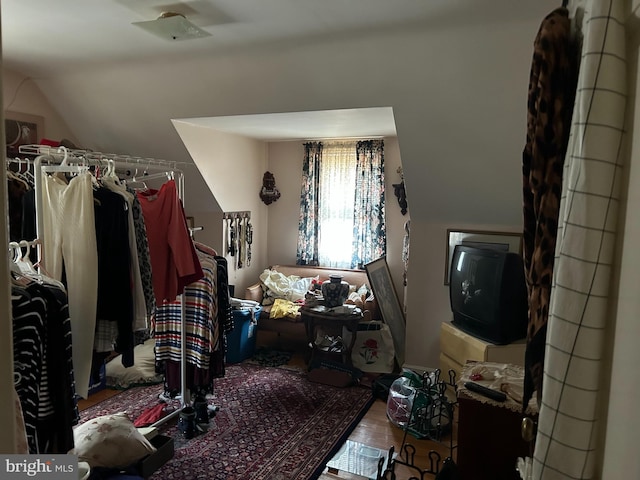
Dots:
pixel 241 342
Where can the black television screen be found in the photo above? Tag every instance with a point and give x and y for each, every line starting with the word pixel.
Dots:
pixel 488 294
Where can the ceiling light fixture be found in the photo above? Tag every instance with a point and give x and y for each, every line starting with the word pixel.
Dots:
pixel 173 26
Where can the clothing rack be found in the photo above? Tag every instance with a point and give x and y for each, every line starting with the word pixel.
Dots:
pixel 63 160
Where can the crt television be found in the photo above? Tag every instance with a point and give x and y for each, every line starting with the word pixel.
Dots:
pixel 488 294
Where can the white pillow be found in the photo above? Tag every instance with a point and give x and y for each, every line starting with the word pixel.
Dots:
pixel 110 441
pixel 142 372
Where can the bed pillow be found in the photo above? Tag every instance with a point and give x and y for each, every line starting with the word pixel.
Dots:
pixel 110 441
pixel 142 372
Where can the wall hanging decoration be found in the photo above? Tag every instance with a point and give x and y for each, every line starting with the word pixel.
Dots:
pixel 398 190
pixel 269 193
pixel 390 307
pixel 238 237
pixel 21 129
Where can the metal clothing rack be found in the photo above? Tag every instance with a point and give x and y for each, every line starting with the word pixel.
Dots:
pixel 63 160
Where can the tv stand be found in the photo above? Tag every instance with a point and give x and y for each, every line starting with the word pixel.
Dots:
pixel 457 347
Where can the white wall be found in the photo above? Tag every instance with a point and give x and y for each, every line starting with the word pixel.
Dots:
pixel 622 432
pixel 232 166
pixel 458 94
pixel 285 162
pixel 22 95
pixel 427 284
pixel 7 407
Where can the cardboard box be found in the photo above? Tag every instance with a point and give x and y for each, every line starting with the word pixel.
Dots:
pixel 151 463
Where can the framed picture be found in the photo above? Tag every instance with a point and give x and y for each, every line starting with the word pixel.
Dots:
pixel 22 129
pixel 508 241
pixel 390 308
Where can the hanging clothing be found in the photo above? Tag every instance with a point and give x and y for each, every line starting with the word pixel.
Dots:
pixel 16 191
pixel 112 183
pixel 552 87
pixel 20 433
pixel 69 245
pixel 205 328
pixel 115 294
pixel 43 366
pixel 200 316
pixel 173 258
pixel 28 354
pixel 144 260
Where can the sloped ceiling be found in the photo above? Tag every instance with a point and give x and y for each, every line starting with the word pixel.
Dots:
pixel 452 73
pixel 42 38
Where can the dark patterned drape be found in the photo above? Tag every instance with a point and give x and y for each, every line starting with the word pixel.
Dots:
pixel 369 234
pixel 550 104
pixel 307 253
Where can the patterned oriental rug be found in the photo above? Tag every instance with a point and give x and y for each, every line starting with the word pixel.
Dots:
pixel 272 424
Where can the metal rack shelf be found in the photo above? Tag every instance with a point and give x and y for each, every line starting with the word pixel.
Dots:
pixel 433 421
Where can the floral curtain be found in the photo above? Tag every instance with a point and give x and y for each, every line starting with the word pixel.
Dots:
pixel 342 204
pixel 307 253
pixel 369 233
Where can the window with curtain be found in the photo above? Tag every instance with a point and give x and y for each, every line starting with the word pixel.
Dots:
pixel 342 204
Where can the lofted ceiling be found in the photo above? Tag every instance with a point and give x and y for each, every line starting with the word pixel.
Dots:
pixel 447 77
pixel 40 37
pixel 44 39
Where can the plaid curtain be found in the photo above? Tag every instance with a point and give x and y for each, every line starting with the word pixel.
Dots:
pixel 308 226
pixel 567 443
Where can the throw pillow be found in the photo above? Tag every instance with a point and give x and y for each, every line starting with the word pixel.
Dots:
pixel 142 372
pixel 110 441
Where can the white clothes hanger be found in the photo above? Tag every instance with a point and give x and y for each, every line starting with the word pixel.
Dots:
pixel 14 255
pixel 14 176
pixel 22 265
pixel 111 181
pixel 65 159
pixel 24 262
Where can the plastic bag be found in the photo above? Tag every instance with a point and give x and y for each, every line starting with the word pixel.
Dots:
pixel 415 404
pixel 401 397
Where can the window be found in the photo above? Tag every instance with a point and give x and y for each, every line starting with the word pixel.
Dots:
pixel 342 204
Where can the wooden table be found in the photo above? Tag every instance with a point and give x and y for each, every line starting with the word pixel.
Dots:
pixel 489 432
pixel 320 319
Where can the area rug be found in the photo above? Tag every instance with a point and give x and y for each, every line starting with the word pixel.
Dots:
pixel 269 357
pixel 272 424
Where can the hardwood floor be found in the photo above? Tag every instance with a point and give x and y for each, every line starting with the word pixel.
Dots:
pixel 374 430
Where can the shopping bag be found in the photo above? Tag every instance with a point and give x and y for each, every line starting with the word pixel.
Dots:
pixel 373 351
